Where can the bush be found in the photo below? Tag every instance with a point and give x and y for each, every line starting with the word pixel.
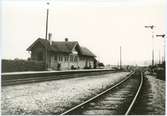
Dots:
pixel 21 65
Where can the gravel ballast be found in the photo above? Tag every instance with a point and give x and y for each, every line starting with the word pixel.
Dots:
pixel 157 91
pixel 152 97
pixel 54 97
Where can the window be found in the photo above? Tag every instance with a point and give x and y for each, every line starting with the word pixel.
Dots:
pixel 71 58
pixel 55 58
pixel 75 58
pixel 60 58
pixel 66 58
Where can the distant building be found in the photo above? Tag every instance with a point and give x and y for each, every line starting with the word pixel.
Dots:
pixel 61 55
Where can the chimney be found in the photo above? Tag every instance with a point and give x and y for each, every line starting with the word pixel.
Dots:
pixel 66 39
pixel 50 41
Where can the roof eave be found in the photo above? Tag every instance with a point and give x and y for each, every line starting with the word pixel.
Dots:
pixel 89 55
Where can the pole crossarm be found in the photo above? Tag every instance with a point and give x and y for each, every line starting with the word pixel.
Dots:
pixel 163 35
pixel 150 26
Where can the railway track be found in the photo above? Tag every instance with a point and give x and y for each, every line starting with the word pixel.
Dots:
pixel 116 100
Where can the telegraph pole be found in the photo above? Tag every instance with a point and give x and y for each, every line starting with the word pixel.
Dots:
pixel 159 57
pixel 162 36
pixel 152 28
pixel 46 37
pixel 120 57
pixel 47 15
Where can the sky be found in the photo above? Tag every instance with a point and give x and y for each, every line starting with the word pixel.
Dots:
pixel 100 25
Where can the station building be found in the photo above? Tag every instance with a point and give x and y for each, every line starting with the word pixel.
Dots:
pixel 61 55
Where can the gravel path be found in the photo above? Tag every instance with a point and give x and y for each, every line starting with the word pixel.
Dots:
pixel 53 97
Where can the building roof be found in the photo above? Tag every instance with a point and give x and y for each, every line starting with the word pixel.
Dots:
pixel 85 51
pixel 62 47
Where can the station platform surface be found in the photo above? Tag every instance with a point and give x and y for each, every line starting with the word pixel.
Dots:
pixel 52 71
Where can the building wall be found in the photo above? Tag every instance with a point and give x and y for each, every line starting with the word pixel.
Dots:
pixel 38 53
pixel 67 61
pixel 61 59
pixel 86 61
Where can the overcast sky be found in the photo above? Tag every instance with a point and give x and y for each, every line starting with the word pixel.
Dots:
pixel 100 25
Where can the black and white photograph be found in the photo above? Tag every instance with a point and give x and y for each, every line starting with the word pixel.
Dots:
pixel 83 57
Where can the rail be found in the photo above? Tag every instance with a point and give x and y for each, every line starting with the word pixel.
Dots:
pixel 135 98
pixel 89 100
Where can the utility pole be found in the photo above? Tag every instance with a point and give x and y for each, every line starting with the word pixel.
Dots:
pixel 46 37
pixel 152 28
pixel 162 36
pixel 159 57
pixel 120 57
pixel 47 15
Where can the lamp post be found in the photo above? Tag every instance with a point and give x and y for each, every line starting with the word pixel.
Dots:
pixel 162 36
pixel 152 29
